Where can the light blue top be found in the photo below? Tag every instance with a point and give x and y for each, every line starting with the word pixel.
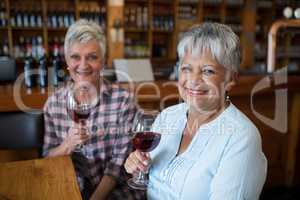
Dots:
pixel 224 161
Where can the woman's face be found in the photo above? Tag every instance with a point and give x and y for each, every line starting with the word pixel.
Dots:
pixel 84 62
pixel 203 82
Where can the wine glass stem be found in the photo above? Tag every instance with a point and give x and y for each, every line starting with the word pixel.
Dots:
pixel 141 177
pixel 81 122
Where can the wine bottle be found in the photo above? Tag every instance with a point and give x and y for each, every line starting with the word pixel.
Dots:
pixel 55 69
pixel 27 72
pixel 42 72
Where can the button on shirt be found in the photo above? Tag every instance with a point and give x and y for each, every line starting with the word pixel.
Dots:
pixel 223 161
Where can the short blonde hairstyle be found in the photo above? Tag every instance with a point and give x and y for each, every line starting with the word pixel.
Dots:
pixel 219 39
pixel 84 31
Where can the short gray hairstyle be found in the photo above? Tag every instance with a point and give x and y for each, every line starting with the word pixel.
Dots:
pixel 84 31
pixel 219 39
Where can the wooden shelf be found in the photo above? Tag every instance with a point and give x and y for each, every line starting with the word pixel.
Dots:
pixel 135 30
pixel 5 28
pixel 45 8
pixel 162 31
pixel 159 59
pixel 249 14
pixel 27 28
pixel 136 1
pixel 57 29
pixel 188 3
pixel 163 2
pixel 211 5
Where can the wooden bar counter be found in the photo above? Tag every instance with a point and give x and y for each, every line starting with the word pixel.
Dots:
pixel 45 179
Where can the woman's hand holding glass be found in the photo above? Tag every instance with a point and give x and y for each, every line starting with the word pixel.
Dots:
pixel 75 137
pixel 137 161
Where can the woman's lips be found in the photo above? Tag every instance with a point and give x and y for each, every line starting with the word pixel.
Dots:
pixel 196 92
pixel 83 73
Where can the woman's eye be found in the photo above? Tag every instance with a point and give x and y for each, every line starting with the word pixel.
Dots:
pixel 92 57
pixel 185 69
pixel 75 57
pixel 208 71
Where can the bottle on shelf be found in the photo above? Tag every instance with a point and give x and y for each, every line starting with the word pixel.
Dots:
pixel 28 73
pixel 13 16
pixel 103 17
pixel 18 17
pixel 3 19
pixel 145 18
pixel 136 48
pixel 56 72
pixel 136 17
pixel 25 16
pixel 38 17
pixel 42 71
pixel 60 18
pixel 187 12
pixel 52 17
pixel 5 49
pixel 66 18
pixel 139 18
pixel 163 18
pixel 20 48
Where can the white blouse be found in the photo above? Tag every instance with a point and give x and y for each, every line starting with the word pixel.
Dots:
pixel 223 161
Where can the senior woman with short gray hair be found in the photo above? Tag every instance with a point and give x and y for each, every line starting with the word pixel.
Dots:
pixel 209 149
pixel 105 139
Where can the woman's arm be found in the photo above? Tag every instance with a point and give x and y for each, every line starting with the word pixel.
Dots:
pixel 53 146
pixel 106 185
pixel 74 137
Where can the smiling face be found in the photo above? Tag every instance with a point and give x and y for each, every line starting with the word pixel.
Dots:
pixel 84 62
pixel 203 82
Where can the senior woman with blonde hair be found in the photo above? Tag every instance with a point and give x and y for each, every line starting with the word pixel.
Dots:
pixel 105 141
pixel 209 149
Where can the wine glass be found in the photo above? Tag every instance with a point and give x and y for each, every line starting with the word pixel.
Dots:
pixel 143 140
pixel 79 107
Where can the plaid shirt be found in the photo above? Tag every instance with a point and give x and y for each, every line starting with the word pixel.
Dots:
pixel 109 145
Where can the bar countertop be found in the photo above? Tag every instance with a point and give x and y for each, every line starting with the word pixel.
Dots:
pixel 14 97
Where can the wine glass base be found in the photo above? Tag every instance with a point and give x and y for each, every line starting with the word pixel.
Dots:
pixel 78 148
pixel 138 185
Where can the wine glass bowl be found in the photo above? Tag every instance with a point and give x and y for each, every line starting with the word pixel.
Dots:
pixel 78 111
pixel 146 141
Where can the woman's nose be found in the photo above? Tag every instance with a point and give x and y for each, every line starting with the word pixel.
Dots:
pixel 196 77
pixel 83 63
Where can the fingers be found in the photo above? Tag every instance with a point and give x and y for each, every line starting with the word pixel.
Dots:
pixel 76 136
pixel 137 161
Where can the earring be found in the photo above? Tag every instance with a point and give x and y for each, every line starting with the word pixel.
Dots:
pixel 227 98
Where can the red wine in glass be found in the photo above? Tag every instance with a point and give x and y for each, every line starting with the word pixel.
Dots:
pixel 146 141
pixel 79 115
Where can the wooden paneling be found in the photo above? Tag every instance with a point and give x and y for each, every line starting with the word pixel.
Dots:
pixel 115 45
